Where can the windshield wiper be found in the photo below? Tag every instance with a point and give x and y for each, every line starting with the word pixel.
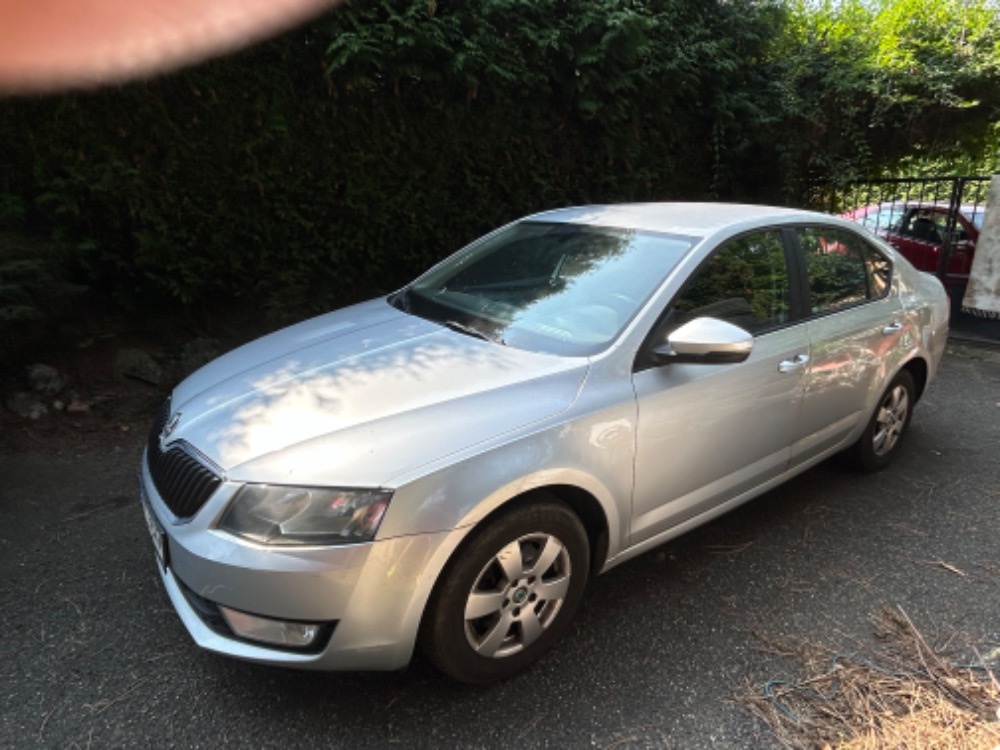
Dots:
pixel 470 331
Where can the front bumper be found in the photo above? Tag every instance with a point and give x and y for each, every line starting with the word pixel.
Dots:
pixel 368 597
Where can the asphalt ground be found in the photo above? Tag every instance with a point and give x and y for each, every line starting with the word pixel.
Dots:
pixel 92 655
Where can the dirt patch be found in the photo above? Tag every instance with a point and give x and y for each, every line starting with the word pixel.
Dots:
pixel 98 407
pixel 107 402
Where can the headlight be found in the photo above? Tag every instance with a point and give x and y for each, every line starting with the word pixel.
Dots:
pixel 274 514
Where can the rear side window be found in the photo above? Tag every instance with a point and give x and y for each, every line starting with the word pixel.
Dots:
pixel 745 282
pixel 843 269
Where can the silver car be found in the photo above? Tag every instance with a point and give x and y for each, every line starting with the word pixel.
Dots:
pixel 447 466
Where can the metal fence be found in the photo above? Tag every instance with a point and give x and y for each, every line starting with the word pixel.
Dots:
pixel 959 194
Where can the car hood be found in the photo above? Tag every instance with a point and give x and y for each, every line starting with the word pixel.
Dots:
pixel 360 395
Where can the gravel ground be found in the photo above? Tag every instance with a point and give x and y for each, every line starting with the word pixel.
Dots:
pixel 92 654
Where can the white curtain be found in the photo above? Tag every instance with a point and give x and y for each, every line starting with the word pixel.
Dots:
pixel 982 296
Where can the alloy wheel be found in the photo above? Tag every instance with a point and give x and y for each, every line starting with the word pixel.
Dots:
pixel 891 420
pixel 517 595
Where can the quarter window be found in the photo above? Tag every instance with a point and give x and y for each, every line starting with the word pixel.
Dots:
pixel 879 271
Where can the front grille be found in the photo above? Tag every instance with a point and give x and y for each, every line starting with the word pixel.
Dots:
pixel 183 481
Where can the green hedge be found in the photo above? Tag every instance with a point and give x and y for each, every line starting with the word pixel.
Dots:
pixel 340 159
pixel 344 157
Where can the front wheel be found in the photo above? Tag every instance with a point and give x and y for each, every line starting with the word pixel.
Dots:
pixel 508 594
pixel 878 444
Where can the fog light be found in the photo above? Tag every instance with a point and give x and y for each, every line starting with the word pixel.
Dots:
pixel 266 630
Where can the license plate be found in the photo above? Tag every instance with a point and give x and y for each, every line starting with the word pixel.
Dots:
pixel 155 530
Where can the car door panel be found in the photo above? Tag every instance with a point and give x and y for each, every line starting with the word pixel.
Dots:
pixel 743 416
pixel 847 357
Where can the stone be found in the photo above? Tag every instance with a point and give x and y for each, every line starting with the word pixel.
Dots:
pixel 26 405
pixel 76 406
pixel 46 380
pixel 138 364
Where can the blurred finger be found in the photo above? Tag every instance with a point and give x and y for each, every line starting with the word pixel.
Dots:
pixel 58 44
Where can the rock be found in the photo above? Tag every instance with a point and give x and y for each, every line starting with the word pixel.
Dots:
pixel 46 380
pixel 138 364
pixel 76 406
pixel 26 405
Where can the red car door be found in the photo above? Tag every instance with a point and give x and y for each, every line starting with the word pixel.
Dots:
pixel 920 234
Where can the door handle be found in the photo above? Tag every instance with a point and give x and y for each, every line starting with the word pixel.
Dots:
pixel 796 363
pixel 892 328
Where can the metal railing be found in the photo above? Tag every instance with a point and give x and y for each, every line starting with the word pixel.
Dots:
pixel 960 193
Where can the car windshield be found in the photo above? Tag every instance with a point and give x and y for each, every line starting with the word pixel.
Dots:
pixel 884 218
pixel 557 288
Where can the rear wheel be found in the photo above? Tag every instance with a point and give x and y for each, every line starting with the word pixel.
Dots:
pixel 878 444
pixel 508 594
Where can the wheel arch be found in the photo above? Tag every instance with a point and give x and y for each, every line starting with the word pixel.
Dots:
pixel 919 371
pixel 584 504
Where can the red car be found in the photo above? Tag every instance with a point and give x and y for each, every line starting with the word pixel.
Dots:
pixel 917 229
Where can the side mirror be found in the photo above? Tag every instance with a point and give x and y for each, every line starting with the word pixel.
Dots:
pixel 705 341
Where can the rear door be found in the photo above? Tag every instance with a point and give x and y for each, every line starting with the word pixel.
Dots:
pixel 920 235
pixel 963 247
pixel 855 320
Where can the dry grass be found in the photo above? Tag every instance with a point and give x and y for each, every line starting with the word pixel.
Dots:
pixel 904 694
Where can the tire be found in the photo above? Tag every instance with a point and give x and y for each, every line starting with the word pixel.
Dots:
pixel 880 441
pixel 508 594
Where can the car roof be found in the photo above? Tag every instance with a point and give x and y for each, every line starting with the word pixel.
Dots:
pixel 691 219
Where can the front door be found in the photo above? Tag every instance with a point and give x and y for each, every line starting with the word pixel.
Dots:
pixel 709 433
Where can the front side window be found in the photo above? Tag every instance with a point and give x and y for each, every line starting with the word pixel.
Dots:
pixel 843 270
pixel 566 289
pixel 745 282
